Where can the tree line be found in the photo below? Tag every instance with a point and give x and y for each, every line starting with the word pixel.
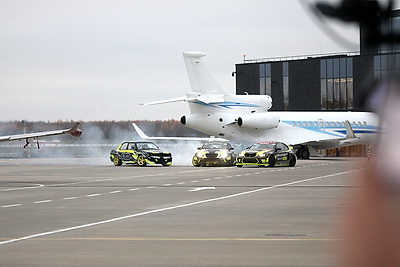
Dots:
pixel 108 130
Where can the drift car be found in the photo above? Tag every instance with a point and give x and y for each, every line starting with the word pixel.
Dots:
pixel 140 153
pixel 267 154
pixel 214 153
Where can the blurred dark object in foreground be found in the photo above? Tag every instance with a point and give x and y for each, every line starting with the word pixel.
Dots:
pixel 372 226
pixel 372 18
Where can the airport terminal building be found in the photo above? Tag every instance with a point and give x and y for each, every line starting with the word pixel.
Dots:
pixel 328 82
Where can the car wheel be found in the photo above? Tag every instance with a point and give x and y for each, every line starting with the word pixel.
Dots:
pixel 117 161
pixel 230 163
pixel 239 166
pixel 196 162
pixel 271 161
pixel 141 161
pixel 292 161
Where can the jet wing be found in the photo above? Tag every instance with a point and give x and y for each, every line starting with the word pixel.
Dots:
pixel 191 97
pixel 174 138
pixel 326 140
pixel 74 131
pixel 179 99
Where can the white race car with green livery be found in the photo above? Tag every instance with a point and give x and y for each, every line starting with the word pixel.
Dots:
pixel 214 153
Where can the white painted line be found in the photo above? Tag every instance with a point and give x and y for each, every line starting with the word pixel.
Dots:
pixel 43 201
pixel 195 181
pixel 202 188
pixel 166 185
pixel 134 189
pixel 115 192
pixel 207 179
pixel 93 195
pixel 11 206
pixel 167 209
pixel 150 187
pixel 22 188
pixel 69 198
pixel 182 183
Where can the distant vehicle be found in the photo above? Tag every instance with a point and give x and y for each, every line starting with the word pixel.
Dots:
pixel 214 153
pixel 266 154
pixel 140 153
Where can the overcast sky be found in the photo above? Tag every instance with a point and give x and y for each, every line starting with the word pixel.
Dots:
pixel 97 60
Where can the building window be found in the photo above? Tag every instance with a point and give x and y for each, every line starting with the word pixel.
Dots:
pixel 265 79
pixel 386 66
pixel 336 84
pixel 285 82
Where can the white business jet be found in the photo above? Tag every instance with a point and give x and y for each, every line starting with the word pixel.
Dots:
pixel 245 118
pixel 74 131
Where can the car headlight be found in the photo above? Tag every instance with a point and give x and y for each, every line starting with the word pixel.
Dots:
pixel 223 154
pixel 201 154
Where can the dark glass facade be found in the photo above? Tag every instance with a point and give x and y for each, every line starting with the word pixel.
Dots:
pixel 316 83
pixel 322 82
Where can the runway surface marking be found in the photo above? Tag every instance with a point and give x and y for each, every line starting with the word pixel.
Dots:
pixel 14 205
pixel 23 188
pixel 170 208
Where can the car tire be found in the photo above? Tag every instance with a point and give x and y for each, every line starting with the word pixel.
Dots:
pixel 196 163
pixel 117 161
pixel 141 161
pixel 271 161
pixel 292 161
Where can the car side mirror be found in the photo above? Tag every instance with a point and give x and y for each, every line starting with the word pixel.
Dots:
pixel 198 148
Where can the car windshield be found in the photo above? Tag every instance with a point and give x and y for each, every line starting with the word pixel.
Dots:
pixel 146 146
pixel 262 146
pixel 215 146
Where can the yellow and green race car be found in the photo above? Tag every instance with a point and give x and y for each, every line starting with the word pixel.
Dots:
pixel 140 153
pixel 265 154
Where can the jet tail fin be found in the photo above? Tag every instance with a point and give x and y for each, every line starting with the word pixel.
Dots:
pixel 200 79
pixel 349 130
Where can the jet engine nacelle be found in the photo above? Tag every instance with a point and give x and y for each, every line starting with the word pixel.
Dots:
pixel 264 120
pixel 190 120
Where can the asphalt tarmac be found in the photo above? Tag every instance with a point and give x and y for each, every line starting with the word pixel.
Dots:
pixel 86 212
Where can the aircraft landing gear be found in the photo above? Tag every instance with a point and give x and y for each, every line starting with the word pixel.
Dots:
pixel 303 152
